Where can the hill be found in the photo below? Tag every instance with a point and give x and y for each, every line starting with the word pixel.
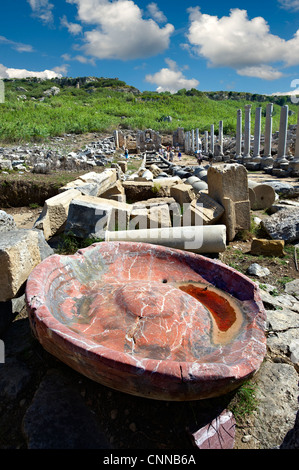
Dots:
pixel 35 109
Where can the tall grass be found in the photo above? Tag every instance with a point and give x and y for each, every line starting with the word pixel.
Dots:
pixel 97 107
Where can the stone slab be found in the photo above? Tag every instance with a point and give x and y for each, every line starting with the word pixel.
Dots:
pixel 265 247
pixel 20 251
pixel 54 215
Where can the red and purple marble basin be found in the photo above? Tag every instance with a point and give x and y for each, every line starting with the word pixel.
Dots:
pixel 148 320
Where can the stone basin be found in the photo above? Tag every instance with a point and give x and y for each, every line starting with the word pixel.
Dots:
pixel 149 320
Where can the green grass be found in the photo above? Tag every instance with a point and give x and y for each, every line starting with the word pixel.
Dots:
pixel 245 401
pixel 107 104
pixel 70 244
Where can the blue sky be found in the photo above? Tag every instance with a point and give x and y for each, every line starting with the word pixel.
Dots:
pixel 156 45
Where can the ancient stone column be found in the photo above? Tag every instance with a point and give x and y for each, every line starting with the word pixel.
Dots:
pixel 257 135
pixel 192 140
pixel 239 135
pixel 197 139
pixel 247 134
pixel 294 164
pixel 206 142
pixel 187 142
pixel 281 160
pixel 116 140
pixel 212 139
pixel 221 136
pixel 267 160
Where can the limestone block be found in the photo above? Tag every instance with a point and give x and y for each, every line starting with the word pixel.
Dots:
pixel 182 193
pixel 54 215
pixel 202 211
pixel 114 190
pixel 104 180
pixel 159 216
pixel 20 251
pixel 228 185
pixel 89 189
pixel 87 219
pixel 139 219
pixel 267 247
pixel 228 180
pixel 6 222
pixel 106 213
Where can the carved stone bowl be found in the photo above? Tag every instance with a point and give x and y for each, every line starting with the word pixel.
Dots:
pixel 148 320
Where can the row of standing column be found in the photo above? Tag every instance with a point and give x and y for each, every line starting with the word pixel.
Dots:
pixel 192 140
pixel 267 160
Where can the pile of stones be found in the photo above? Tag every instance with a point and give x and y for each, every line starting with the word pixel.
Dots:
pixel 44 160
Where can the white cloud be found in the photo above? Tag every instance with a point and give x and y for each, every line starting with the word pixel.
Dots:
pixel 289 4
pixel 73 28
pixel 18 46
pixel 286 93
pixel 120 30
pixel 22 73
pixel 265 72
pixel 156 13
pixel 171 79
pixel 80 58
pixel 243 44
pixel 42 9
pixel 61 69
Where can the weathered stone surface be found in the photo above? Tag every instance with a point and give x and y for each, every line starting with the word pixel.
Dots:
pixel 20 252
pixel 59 419
pixel 117 282
pixel 283 225
pixel 277 393
pixel 292 288
pixel 182 193
pixel 265 247
pixel 282 301
pixel 114 191
pixel 90 216
pixel 228 185
pixel 6 222
pixel 203 210
pixel 55 212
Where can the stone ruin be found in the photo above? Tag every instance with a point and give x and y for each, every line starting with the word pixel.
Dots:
pixel 147 140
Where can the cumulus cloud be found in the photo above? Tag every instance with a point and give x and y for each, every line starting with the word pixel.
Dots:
pixel 73 28
pixel 156 13
pixel 120 30
pixel 171 79
pixel 22 73
pixel 265 72
pixel 42 9
pixel 243 44
pixel 18 46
